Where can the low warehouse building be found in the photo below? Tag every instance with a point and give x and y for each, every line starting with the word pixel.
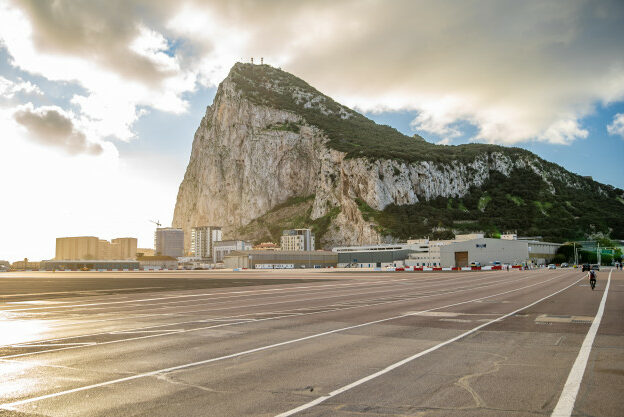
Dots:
pixel 484 251
pixel 372 256
pixel 268 259
pixel 97 265
pixel 158 262
pixel 542 253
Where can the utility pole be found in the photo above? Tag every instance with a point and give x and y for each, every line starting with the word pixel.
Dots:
pixel 598 253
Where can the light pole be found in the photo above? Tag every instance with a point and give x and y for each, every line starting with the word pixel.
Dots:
pixel 598 253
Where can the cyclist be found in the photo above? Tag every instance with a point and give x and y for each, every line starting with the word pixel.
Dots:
pixel 592 278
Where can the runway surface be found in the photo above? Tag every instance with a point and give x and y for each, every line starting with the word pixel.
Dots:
pixel 496 343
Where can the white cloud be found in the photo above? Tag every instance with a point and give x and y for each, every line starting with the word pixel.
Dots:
pixel 617 126
pixel 9 88
pixel 114 92
pixel 517 71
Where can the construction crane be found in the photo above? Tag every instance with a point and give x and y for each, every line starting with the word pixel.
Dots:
pixel 157 223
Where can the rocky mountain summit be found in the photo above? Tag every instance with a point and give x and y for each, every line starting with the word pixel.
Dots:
pixel 272 152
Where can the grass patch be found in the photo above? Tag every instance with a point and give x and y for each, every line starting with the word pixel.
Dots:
pixel 483 202
pixel 515 199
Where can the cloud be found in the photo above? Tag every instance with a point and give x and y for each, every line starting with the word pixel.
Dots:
pixel 51 126
pixel 9 88
pixel 122 63
pixel 617 126
pixel 516 71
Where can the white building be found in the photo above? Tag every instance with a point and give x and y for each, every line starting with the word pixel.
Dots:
pixel 203 239
pixel 169 241
pixel 224 247
pixel 484 251
pixel 381 255
pixel 542 252
pixel 297 239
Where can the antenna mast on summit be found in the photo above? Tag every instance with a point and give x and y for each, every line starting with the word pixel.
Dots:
pixel 252 59
pixel 261 61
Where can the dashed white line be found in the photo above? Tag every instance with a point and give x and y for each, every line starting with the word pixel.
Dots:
pixel 565 405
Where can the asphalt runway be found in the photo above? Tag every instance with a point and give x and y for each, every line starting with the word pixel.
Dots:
pixel 496 343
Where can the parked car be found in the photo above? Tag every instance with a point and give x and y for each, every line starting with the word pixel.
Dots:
pixel 475 264
pixel 552 266
pixel 564 265
pixel 496 263
pixel 595 267
pixel 586 267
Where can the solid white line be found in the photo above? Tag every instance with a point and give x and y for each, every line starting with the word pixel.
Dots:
pixel 411 358
pixel 565 405
pixel 13 404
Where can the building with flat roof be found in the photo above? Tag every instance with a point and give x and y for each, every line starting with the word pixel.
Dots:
pixel 169 241
pixel 26 265
pixel 458 252
pixel 203 239
pixel 145 252
pixel 224 247
pixel 77 248
pixel 297 239
pixel 371 256
pixel 484 251
pixel 158 262
pixel 270 259
pixel 541 253
pixel 126 247
pixel 90 265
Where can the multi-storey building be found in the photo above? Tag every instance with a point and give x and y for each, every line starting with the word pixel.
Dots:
pixel 203 239
pixel 169 241
pixel 297 239
pixel 78 247
pixel 224 247
pixel 124 247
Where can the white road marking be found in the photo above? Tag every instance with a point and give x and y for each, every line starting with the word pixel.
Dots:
pixel 195 295
pixel 12 405
pixel 245 321
pixel 142 316
pixel 76 292
pixel 565 405
pixel 411 358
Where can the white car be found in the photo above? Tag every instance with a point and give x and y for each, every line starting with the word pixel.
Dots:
pixel 552 266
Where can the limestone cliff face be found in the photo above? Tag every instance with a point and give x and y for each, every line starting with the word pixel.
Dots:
pixel 249 157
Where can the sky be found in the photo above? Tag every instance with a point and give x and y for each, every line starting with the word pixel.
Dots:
pixel 99 100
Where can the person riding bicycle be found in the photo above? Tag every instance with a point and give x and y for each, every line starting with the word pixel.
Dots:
pixel 592 277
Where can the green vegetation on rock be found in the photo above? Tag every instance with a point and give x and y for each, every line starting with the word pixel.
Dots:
pixel 286 126
pixel 293 213
pixel 548 215
pixel 347 130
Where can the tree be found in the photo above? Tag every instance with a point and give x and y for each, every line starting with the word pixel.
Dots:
pixel 567 251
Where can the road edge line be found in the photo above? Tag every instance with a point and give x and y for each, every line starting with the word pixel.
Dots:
pixel 413 357
pixel 567 399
